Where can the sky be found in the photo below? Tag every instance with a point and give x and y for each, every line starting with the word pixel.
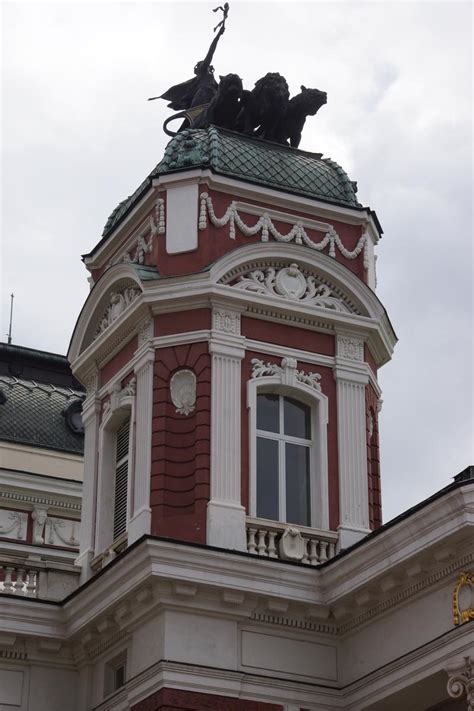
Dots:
pixel 77 136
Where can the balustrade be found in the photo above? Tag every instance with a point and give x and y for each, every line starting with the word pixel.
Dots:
pixel 37 578
pixel 312 547
pixel 17 580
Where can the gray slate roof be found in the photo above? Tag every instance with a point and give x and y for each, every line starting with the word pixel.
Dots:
pixel 33 414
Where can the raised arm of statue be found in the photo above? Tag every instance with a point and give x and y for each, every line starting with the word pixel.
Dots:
pixel 203 66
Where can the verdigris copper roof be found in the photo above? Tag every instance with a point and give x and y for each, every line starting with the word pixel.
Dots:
pixel 251 160
pixel 260 162
pixel 35 414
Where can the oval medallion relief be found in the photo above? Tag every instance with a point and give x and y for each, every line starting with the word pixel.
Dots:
pixel 183 391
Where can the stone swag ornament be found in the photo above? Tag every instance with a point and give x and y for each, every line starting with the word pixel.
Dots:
pixel 267 112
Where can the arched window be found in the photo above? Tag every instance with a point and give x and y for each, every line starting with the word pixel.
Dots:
pixel 288 446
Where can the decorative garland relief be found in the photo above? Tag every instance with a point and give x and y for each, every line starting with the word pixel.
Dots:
pixel 261 369
pixel 265 226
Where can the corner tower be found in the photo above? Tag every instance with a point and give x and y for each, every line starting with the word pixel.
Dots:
pixel 230 347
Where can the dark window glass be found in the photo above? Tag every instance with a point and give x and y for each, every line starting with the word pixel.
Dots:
pixel 297 417
pixel 268 413
pixel 267 479
pixel 297 484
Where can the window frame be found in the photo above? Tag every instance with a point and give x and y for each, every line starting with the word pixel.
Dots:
pixel 317 401
pixel 121 408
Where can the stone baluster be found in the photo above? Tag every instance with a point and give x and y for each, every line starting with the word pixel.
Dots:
pixel 261 545
pixel 323 548
pixel 272 551
pixel 313 552
pixel 8 583
pixel 31 585
pixel 305 558
pixel 251 545
pixel 332 550
pixel 19 582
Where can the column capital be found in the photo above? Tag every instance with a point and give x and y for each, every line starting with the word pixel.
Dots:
pixel 351 372
pixel 146 356
pixel 229 347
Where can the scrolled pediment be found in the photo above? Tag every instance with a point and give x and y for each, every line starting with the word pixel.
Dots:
pixel 289 281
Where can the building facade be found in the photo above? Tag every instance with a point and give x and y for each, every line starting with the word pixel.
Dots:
pixel 232 553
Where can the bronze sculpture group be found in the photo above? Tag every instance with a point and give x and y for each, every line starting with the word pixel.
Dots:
pixel 266 112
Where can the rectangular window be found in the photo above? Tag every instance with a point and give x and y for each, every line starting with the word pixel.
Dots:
pixel 115 673
pixel 121 478
pixel 284 442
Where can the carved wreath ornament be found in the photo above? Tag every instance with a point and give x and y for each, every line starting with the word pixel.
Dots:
pixel 119 301
pixel 290 283
pixel 183 391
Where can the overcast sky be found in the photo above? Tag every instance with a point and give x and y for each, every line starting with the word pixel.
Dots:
pixel 78 136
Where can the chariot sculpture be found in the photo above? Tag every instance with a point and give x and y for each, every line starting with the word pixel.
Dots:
pixel 265 112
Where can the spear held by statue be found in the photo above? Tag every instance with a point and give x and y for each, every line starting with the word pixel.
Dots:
pixel 202 87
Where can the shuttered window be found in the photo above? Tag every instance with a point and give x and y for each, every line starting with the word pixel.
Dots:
pixel 121 478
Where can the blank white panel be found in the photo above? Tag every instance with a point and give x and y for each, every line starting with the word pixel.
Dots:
pixel 182 219
pixel 289 656
pixel 11 687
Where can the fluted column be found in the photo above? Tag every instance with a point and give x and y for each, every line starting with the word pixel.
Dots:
pixel 225 514
pixel 90 419
pixel 351 378
pixel 140 521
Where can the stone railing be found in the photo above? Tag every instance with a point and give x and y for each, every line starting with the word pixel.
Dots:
pixel 288 542
pixel 31 576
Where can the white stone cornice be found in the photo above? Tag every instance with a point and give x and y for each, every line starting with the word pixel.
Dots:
pixel 445 519
pixel 121 234
pixel 281 201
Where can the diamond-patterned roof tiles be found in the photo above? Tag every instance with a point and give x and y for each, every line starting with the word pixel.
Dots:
pixel 33 414
pixel 250 159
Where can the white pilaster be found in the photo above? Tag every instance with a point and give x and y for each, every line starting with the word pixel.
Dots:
pixel 90 419
pixel 225 514
pixel 351 377
pixel 140 521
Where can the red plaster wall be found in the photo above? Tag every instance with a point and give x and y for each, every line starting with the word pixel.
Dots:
pixel 328 387
pixel 118 361
pixel 289 336
pixel 373 460
pixel 369 358
pixel 179 700
pixel 180 469
pixel 213 242
pixel 182 321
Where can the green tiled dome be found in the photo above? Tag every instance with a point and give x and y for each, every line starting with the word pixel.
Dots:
pixel 251 160
pixel 259 162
